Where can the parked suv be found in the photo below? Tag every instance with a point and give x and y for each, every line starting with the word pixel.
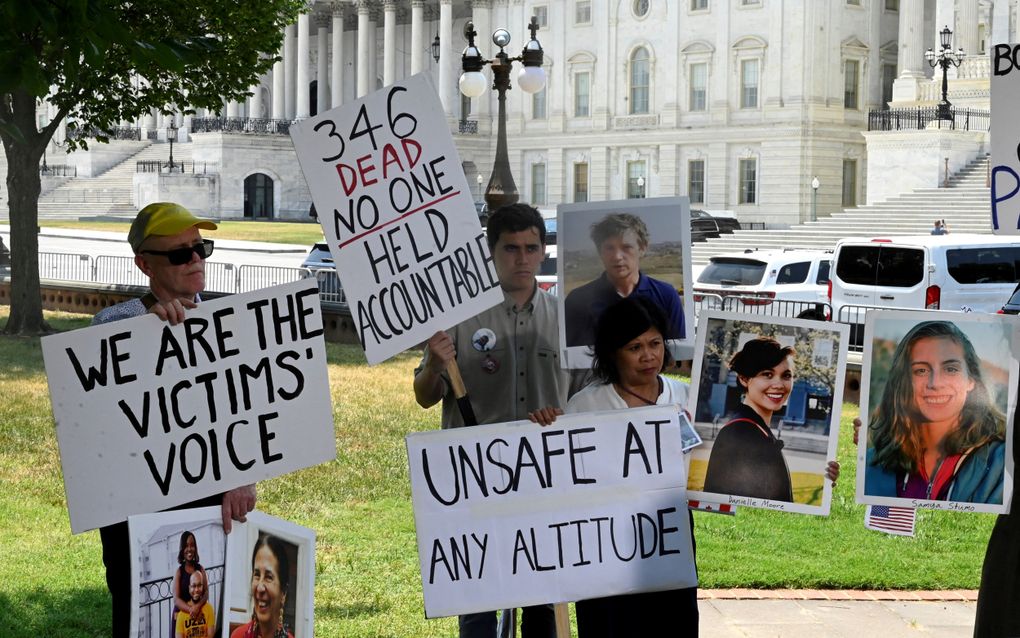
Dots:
pixel 319 263
pixel 759 277
pixel 725 223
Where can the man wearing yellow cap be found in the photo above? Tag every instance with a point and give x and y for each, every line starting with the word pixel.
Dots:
pixel 170 250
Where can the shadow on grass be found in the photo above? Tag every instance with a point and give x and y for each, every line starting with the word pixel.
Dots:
pixel 330 611
pixel 45 612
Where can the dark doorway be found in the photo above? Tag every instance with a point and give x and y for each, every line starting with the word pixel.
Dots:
pixel 258 196
pixel 313 98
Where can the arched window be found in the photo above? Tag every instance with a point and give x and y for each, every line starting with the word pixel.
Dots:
pixel 639 80
pixel 258 196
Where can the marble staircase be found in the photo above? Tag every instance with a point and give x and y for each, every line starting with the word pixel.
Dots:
pixel 965 205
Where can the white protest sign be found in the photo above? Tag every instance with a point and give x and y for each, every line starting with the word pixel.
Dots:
pixel 513 514
pixel 1004 133
pixel 398 216
pixel 151 415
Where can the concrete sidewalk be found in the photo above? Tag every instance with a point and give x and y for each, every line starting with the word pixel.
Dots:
pixel 745 613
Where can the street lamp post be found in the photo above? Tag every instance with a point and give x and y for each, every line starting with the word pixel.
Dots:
pixel 173 133
pixel 814 198
pixel 945 58
pixel 501 189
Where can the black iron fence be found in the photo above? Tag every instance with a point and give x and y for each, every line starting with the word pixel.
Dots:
pixel 468 127
pixel 115 133
pixel 255 125
pixel 58 170
pixel 159 166
pixel 921 117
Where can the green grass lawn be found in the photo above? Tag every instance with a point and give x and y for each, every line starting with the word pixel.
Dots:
pixel 304 234
pixel 367 580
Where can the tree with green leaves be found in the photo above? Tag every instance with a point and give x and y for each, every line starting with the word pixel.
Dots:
pixel 98 62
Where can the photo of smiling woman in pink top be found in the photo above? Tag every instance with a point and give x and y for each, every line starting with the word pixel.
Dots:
pixel 936 434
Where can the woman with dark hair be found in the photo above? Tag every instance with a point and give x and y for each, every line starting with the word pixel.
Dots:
pixel 270 582
pixel 747 458
pixel 188 561
pixel 935 434
pixel 630 355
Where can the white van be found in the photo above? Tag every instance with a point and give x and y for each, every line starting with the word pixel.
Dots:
pixel 948 272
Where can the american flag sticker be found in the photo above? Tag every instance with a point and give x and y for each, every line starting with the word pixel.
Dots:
pixel 715 508
pixel 891 520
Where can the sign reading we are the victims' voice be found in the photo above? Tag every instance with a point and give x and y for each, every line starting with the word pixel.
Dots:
pixel 514 514
pixel 398 215
pixel 150 415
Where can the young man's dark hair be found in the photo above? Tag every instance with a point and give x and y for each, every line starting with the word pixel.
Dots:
pixel 513 218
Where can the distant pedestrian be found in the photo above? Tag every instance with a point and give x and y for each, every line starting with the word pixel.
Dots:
pixel 313 213
pixel 940 228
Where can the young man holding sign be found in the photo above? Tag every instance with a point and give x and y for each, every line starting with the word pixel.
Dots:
pixel 170 250
pixel 509 358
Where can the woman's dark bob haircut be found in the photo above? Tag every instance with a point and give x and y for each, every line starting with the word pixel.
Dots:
pixel 620 324
pixel 763 353
pixel 279 550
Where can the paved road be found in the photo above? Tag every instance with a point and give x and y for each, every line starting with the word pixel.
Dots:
pixel 95 243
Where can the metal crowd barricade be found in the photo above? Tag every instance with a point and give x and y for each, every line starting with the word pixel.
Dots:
pixel 854 317
pixel 254 277
pixel 706 301
pixel 763 305
pixel 112 269
pixel 330 290
pixel 66 266
pixel 220 277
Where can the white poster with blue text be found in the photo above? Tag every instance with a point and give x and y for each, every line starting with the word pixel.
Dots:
pixel 1004 133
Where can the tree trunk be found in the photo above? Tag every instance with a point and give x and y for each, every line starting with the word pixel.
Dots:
pixel 23 190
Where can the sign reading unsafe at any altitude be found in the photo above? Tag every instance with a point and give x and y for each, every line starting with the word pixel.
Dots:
pixel 513 514
pixel 150 415
pixel 398 216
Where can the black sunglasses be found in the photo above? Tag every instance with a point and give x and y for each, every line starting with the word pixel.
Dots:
pixel 181 256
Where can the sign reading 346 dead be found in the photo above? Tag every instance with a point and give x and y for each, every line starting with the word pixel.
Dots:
pixel 512 514
pixel 151 415
pixel 1004 133
pixel 398 216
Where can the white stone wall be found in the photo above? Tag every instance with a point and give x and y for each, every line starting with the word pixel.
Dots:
pixel 241 155
pixel 902 161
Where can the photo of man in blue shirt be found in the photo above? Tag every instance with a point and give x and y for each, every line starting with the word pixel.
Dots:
pixel 621 240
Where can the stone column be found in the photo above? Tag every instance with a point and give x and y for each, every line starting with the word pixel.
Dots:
pixel 1016 27
pixel 445 38
pixel 290 70
pixel 255 107
pixel 303 43
pixel 336 76
pixel 389 42
pixel 481 14
pixel 279 111
pixel 965 34
pixel 911 39
pixel 417 33
pixel 321 61
pixel 373 48
pixel 1000 22
pixel 945 16
pixel 363 29
pixel 910 60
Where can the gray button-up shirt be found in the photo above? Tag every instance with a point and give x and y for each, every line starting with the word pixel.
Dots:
pixel 520 373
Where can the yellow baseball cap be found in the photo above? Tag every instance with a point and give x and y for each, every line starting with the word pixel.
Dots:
pixel 163 218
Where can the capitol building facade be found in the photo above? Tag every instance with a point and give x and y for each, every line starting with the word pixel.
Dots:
pixel 737 104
